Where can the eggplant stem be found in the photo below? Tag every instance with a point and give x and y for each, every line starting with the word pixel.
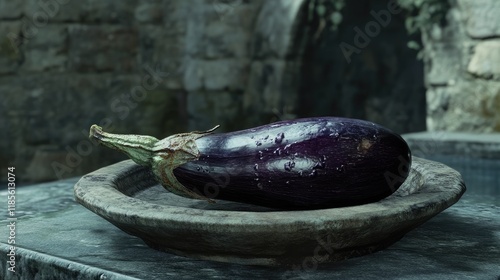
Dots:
pixel 162 156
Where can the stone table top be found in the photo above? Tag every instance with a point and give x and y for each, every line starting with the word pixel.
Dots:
pixel 57 238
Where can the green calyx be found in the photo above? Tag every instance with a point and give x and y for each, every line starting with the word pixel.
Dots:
pixel 162 156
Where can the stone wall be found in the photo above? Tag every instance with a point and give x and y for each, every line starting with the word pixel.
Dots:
pixel 158 67
pixel 151 67
pixel 463 68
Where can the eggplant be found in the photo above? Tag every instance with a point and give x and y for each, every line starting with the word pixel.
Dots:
pixel 307 163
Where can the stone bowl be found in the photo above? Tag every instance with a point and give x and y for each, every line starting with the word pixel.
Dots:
pixel 127 195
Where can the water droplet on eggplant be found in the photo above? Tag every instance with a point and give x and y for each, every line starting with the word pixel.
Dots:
pixel 279 138
pixel 341 168
pixel 289 165
pixel 313 173
pixel 256 167
pixel 259 185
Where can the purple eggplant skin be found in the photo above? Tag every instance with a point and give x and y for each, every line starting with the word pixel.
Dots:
pixel 307 163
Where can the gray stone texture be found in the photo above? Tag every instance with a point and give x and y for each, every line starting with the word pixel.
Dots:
pixel 465 106
pixel 149 12
pixel 481 17
pixel 484 62
pixel 462 72
pixel 112 51
pixel 46 50
pixel 150 67
pixel 10 53
pixel 88 11
pixel 248 234
pixel 11 9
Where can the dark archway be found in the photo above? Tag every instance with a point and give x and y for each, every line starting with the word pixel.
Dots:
pixel 382 81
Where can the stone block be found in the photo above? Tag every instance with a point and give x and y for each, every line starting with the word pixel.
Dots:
pixel 176 16
pixel 55 10
pixel 221 40
pixel 46 49
pixel 156 47
pixel 236 13
pixel 49 36
pixel 464 106
pixel 226 29
pixel 265 85
pixel 193 75
pixel 11 9
pixel 207 109
pixel 229 74
pixel 149 12
pixel 216 74
pixel 102 48
pixel 223 10
pixel 10 41
pixel 220 29
pixel 481 17
pixel 94 11
pixel 446 63
pixel 163 113
pixel 485 62
pixel 110 11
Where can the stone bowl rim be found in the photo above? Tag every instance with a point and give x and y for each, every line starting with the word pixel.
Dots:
pixel 116 206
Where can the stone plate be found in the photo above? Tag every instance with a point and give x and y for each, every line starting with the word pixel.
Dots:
pixel 127 195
